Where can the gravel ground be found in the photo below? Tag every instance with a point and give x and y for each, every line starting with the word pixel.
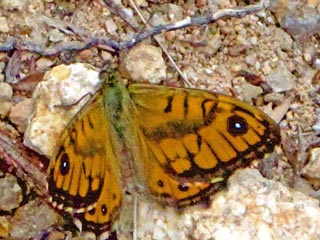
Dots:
pixel 270 59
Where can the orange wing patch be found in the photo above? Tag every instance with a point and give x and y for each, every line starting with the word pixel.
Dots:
pixel 83 175
pixel 194 136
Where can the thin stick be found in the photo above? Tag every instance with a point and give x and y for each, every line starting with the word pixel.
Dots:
pixel 155 30
pixel 22 161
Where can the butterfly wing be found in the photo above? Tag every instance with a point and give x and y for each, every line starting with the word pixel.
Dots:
pixel 189 138
pixel 83 173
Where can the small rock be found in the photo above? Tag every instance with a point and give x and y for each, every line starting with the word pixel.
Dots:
pixel 253 40
pixel 144 63
pixel 313 3
pixel 56 36
pixel 170 36
pixel 214 42
pixel 316 61
pixel 27 56
pixel 307 56
pixel 246 90
pixel 88 54
pixel 43 63
pixel 127 11
pixel 5 107
pixel 275 98
pixel 4 227
pixel 174 11
pixel 280 79
pixel 21 112
pixel 6 91
pixel 237 49
pixel 251 59
pixel 63 85
pixel 316 126
pixel 56 235
pixel 30 219
pixel 158 19
pixel 283 39
pixel 2 66
pixel 312 169
pixel 13 4
pixel 301 27
pixel 142 3
pixel 106 56
pixel 302 185
pixel 4 25
pixel 266 67
pixel 3 57
pixel 10 193
pixel 111 26
pixel 201 3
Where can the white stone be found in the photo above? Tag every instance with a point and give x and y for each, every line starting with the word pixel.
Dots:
pixel 5 107
pixel 264 232
pixel 56 36
pixel 280 79
pixel 13 4
pixel 144 63
pixel 262 220
pixel 2 66
pixel 312 169
pixel 5 91
pixel 63 86
pixel 43 63
pixel 111 26
pixel 4 25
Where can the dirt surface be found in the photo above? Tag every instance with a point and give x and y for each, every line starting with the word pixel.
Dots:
pixel 270 59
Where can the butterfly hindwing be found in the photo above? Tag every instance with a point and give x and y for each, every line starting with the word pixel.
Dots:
pixel 83 174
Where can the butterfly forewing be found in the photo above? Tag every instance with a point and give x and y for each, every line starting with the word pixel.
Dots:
pixel 193 137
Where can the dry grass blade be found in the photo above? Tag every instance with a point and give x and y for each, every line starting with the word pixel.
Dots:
pixel 164 49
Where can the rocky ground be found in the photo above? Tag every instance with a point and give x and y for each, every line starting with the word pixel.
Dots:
pixel 270 59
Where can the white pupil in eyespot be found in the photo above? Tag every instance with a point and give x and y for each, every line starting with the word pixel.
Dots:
pixel 237 125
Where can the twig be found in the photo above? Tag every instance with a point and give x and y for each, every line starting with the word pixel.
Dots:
pixel 119 10
pixel 155 30
pixel 70 46
pixel 196 21
pixel 63 26
pixel 22 161
pixel 9 45
pixel 13 68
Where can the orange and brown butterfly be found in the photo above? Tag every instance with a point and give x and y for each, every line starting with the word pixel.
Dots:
pixel 182 144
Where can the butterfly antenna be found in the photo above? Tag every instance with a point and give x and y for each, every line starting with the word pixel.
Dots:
pixel 182 75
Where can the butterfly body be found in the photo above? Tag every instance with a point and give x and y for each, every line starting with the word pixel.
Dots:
pixel 180 144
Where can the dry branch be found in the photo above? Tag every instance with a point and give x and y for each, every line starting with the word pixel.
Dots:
pixel 152 31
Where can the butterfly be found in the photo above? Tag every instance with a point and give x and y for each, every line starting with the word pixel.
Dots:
pixel 181 145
